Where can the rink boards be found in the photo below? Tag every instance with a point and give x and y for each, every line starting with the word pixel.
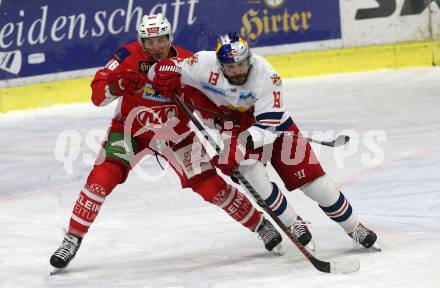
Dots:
pixel 297 37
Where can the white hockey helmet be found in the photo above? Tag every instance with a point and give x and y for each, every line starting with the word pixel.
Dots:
pixel 154 26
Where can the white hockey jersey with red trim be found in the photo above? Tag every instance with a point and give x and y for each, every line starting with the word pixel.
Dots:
pixel 263 91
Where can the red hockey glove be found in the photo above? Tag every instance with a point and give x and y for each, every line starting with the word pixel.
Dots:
pixel 220 119
pixel 230 157
pixel 126 82
pixel 239 121
pixel 167 77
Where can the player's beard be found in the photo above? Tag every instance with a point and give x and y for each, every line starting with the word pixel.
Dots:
pixel 238 79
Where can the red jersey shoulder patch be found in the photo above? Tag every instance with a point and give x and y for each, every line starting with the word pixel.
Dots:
pixel 121 54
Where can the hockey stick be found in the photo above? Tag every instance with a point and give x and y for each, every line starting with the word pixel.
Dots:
pixel 341 140
pixel 341 266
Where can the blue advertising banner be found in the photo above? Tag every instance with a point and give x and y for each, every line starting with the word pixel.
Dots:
pixel 44 37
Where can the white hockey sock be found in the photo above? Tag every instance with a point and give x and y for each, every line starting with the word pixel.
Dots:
pixel 277 202
pixel 257 176
pixel 334 204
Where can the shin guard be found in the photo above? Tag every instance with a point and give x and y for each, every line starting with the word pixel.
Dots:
pixel 216 191
pixel 102 180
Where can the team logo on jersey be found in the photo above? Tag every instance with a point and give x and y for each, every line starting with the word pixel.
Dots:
pixel 156 115
pixel 144 66
pixel 192 60
pixel 276 79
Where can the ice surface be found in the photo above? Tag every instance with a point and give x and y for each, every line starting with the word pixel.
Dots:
pixel 153 234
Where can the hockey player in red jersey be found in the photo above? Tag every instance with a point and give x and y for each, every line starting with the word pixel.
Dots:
pixel 247 94
pixel 147 123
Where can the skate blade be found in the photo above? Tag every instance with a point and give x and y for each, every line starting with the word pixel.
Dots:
pixel 56 271
pixel 376 247
pixel 311 246
pixel 278 250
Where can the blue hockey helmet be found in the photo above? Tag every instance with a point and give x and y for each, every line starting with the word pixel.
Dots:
pixel 232 48
pixel 234 57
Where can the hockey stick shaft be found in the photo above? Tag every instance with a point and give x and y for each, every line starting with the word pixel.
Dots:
pixel 322 266
pixel 339 141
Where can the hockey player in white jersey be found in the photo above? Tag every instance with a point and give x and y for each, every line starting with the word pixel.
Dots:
pixel 248 97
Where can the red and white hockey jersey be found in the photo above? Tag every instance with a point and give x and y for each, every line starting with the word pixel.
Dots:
pixel 141 111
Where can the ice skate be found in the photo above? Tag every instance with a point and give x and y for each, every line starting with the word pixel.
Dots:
pixel 302 233
pixel 365 237
pixel 65 253
pixel 271 237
